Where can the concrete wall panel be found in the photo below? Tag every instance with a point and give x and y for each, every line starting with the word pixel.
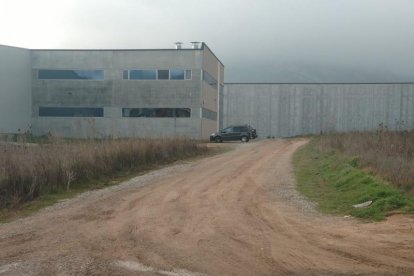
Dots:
pixel 285 110
pixel 117 127
pixel 210 63
pixel 208 127
pixel 116 59
pixel 209 97
pixel 113 93
pixel 15 90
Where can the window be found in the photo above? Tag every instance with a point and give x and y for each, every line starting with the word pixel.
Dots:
pixel 70 74
pixel 228 130
pixel 177 74
pixel 183 112
pixel 125 75
pixel 240 129
pixel 163 74
pixel 209 79
pixel 70 111
pixel 157 112
pixel 143 74
pixel 208 114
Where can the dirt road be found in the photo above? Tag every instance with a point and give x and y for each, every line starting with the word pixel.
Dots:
pixel 237 213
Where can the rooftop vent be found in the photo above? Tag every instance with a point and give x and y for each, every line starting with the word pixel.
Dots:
pixel 196 44
pixel 178 45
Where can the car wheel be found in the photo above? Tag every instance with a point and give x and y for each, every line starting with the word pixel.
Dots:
pixel 244 139
pixel 218 139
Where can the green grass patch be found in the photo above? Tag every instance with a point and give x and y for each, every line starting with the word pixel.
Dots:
pixel 336 183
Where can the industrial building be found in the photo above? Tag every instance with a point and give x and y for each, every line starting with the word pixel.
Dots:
pixel 178 92
pixel 286 110
pixel 110 93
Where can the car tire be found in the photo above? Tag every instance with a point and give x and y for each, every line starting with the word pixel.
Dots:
pixel 218 139
pixel 244 139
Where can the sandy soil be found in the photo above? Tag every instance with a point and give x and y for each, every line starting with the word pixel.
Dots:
pixel 237 213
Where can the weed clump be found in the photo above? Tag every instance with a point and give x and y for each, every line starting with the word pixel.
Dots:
pixel 29 171
pixel 389 154
pixel 339 171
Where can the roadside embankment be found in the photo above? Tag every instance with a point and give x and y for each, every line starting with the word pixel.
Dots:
pixel 342 170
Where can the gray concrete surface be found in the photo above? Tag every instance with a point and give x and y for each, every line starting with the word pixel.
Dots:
pixel 113 93
pixel 286 110
pixel 279 110
pixel 15 90
pixel 118 127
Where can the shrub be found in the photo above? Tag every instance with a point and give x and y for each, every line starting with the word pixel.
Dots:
pixel 389 154
pixel 26 172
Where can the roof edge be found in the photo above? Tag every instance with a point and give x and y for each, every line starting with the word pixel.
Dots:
pixel 126 49
pixel 16 47
pixel 205 45
pixel 315 83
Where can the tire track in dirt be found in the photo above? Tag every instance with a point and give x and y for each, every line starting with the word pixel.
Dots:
pixel 237 213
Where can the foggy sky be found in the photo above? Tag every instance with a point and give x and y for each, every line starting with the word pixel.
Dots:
pixel 257 40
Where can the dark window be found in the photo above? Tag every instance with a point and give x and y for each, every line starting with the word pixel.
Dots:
pixel 163 74
pixel 183 112
pixel 157 112
pixel 142 74
pixel 164 112
pixel 240 129
pixel 177 74
pixel 227 130
pixel 173 74
pixel 70 74
pixel 188 75
pixel 70 111
pixel 125 74
pixel 208 114
pixel 209 79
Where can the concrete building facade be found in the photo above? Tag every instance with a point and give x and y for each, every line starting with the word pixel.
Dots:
pixel 177 92
pixel 122 93
pixel 286 110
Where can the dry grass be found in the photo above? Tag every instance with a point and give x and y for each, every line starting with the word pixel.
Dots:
pixel 27 172
pixel 386 153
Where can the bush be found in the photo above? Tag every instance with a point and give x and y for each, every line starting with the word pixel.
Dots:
pixel 26 172
pixel 388 154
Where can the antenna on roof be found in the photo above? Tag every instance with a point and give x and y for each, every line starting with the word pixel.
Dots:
pixel 196 44
pixel 178 45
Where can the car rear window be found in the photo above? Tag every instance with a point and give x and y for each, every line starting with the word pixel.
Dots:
pixel 240 129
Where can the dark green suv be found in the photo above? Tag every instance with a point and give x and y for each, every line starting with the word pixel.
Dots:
pixel 232 133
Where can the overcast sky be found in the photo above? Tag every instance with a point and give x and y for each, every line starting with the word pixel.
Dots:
pixel 257 40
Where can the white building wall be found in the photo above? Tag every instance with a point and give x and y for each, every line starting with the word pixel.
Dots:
pixel 15 90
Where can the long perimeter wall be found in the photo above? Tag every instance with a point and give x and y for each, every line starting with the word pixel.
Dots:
pixel 286 110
